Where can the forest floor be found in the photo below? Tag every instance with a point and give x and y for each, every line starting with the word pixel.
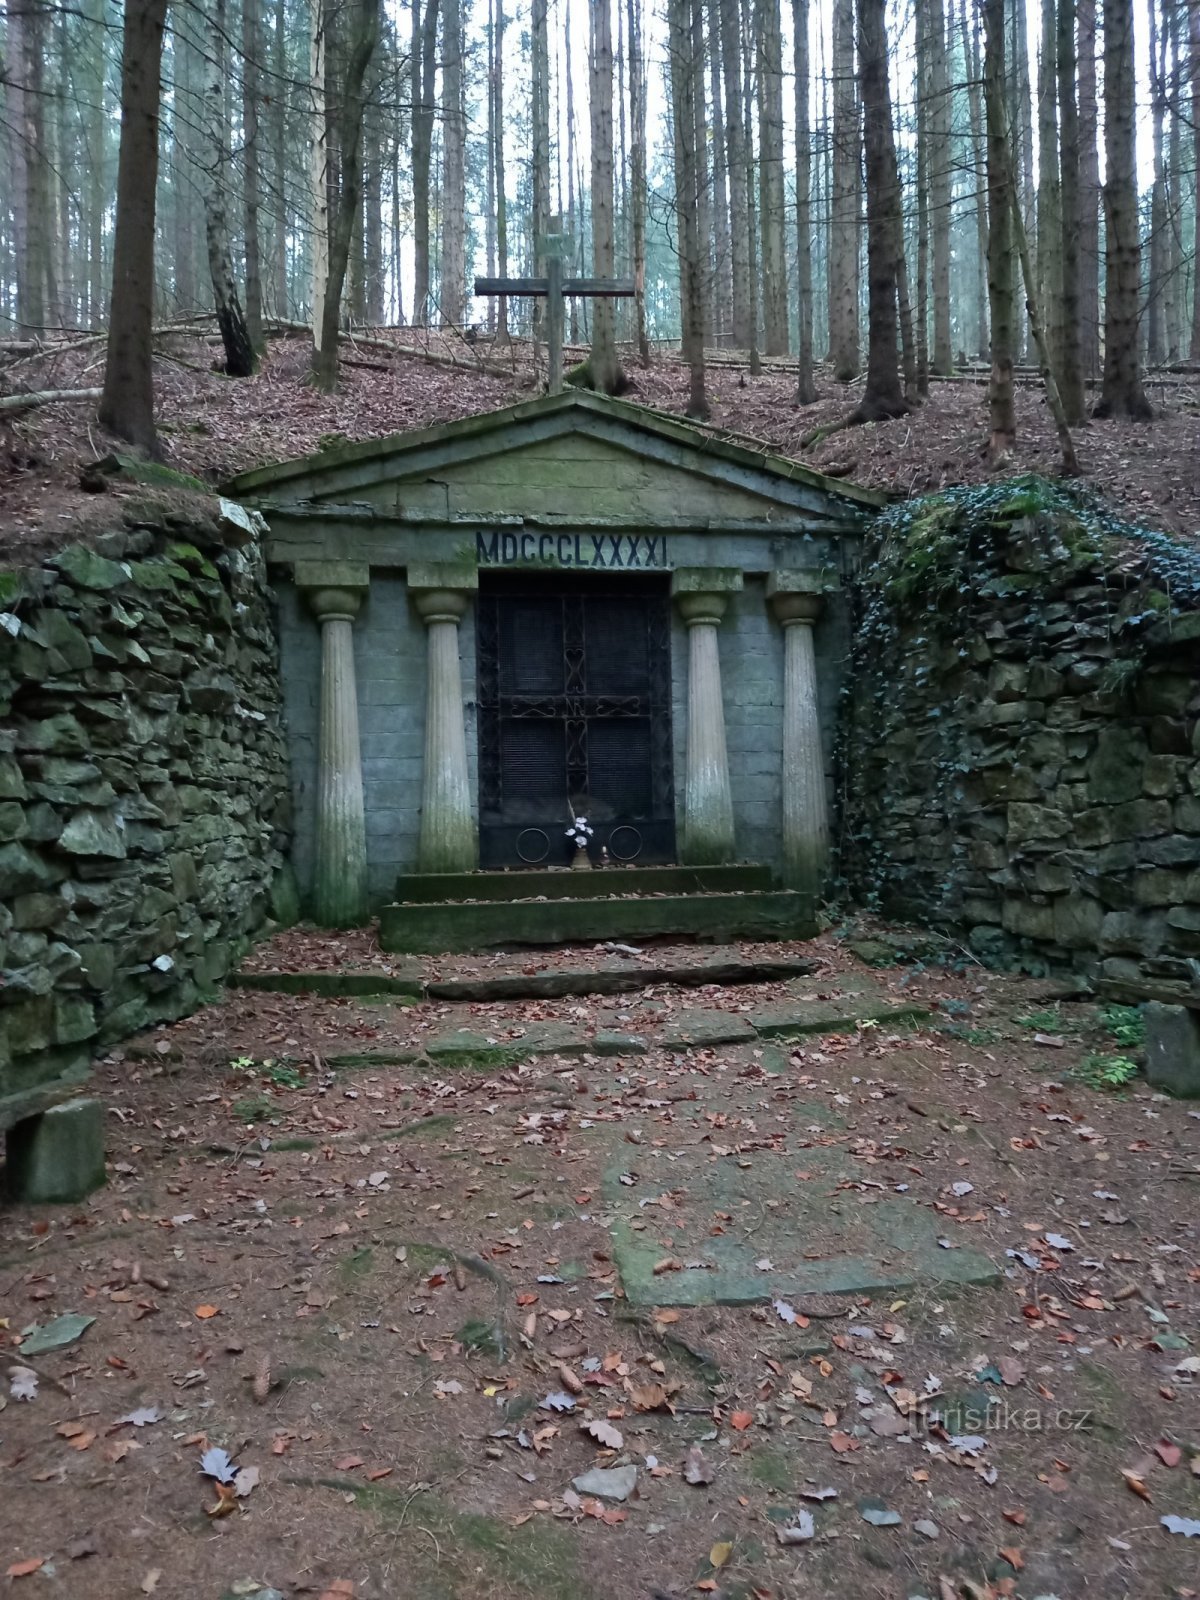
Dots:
pixel 402 1302
pixel 214 427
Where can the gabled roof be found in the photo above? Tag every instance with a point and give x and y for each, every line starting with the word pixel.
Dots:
pixel 340 474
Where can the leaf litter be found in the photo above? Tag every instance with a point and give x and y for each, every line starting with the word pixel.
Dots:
pixel 378 1278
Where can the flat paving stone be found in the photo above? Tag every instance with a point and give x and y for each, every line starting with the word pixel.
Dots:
pixel 818 1239
pixel 703 1028
pixel 462 1047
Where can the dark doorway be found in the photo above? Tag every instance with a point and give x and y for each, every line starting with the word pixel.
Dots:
pixel 574 715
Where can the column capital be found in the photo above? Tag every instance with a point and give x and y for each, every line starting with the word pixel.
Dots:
pixel 335 590
pixel 442 590
pixel 702 593
pixel 797 595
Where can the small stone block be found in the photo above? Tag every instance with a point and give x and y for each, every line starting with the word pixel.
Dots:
pixel 800 580
pixel 333 575
pixel 443 575
pixel 57 1157
pixel 706 580
pixel 1173 1049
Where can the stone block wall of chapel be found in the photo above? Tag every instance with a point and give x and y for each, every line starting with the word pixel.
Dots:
pixel 390 663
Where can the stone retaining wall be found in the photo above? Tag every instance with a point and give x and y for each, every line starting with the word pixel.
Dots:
pixel 1020 758
pixel 144 809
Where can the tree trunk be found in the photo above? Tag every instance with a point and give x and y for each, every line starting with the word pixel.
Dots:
pixel 806 389
pixel 279 164
pixel 1021 121
pixel 752 280
pixel 231 320
pixel 1001 204
pixel 96 138
pixel 539 132
pixel 1070 352
pixel 372 210
pixel 770 169
pixel 700 147
pixel 127 404
pixel 1089 190
pixel 1049 195
pixel 940 188
pixel 683 74
pixel 501 178
pixel 637 170
pixel 318 169
pixel 1121 391
pixel 422 68
pixel 453 284
pixel 979 167
pixel 1194 46
pixel 604 369
pixel 738 162
pixel 883 396
pixel 31 223
pixel 361 47
pixel 843 233
pixel 1157 276
pixel 721 298
pixel 252 52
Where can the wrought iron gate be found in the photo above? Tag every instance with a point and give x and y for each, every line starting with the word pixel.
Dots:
pixel 574 706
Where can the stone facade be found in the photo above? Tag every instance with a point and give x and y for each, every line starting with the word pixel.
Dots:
pixel 144 806
pixel 1020 760
pixel 430 516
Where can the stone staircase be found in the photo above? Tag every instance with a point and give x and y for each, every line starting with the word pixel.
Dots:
pixel 442 912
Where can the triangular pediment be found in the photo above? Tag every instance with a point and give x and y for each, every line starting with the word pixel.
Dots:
pixel 558 456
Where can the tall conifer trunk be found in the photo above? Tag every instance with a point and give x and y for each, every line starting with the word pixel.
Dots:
pixel 1121 394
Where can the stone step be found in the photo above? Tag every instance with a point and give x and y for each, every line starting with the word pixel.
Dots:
pixel 562 883
pixel 684 1029
pixel 459 926
pixel 553 985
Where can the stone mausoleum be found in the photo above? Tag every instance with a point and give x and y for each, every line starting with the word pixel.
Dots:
pixel 571 607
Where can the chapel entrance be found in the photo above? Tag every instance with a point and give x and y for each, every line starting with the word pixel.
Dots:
pixel 574 716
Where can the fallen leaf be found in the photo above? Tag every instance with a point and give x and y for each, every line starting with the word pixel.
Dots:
pixel 1188 1526
pixel 610 1437
pixel 741 1420
pixel 245 1481
pixel 1012 1555
pixel 812 1492
pixel 1134 1482
pixel 205 1312
pixel 54 1335
pixel 1011 1370
pixel 141 1418
pixel 347 1463
pixel 696 1468
pixel 215 1463
pixel 151 1581
pixel 1169 1454
pixel 799 1531
pixel 22 1569
pixel 22 1383
pixel 720 1553
pixel 842 1442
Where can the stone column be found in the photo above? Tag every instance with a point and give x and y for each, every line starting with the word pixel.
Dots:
pixel 449 839
pixel 796 599
pixel 702 595
pixel 335 591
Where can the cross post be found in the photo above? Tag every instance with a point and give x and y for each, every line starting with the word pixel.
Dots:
pixel 555 289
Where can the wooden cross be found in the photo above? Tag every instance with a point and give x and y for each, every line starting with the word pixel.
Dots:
pixel 555 288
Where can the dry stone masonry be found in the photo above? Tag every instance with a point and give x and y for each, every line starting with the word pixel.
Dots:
pixel 1021 752
pixel 143 789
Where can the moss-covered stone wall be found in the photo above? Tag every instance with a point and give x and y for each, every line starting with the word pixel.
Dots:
pixel 144 809
pixel 1020 753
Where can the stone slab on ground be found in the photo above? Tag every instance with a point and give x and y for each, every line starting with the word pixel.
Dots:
pixel 787 1238
pixel 703 1028
pixel 58 1156
pixel 1173 1049
pixel 463 1047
